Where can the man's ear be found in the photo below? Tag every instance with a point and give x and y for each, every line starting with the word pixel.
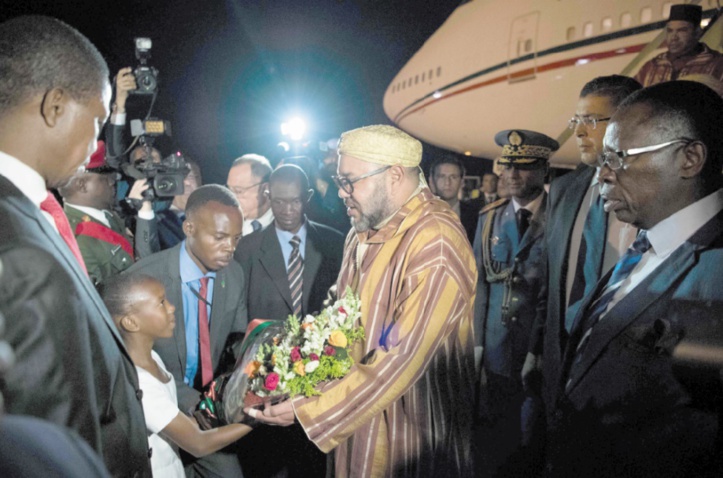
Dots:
pixel 396 173
pixel 53 106
pixel 696 155
pixel 188 227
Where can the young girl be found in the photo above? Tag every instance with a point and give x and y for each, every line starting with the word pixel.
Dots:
pixel 142 313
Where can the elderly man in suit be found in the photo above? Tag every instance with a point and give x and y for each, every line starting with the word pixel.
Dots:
pixel 509 250
pixel 71 365
pixel 582 241
pixel 209 292
pixel 289 269
pixel 620 411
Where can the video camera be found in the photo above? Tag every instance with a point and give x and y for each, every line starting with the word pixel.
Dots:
pixel 165 175
pixel 146 76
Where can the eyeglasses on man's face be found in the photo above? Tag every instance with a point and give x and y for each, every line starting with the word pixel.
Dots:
pixel 239 191
pixel 616 159
pixel 587 121
pixel 347 185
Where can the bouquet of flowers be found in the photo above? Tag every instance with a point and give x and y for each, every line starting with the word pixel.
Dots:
pixel 284 359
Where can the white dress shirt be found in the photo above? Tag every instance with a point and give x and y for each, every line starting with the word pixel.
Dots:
pixel 265 219
pixel 27 180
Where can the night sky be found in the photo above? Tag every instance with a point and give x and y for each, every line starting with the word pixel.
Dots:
pixel 231 71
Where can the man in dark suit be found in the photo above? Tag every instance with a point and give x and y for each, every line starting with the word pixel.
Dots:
pixel 71 365
pixel 208 289
pixel 620 409
pixel 582 241
pixel 509 250
pixel 445 180
pixel 265 255
pixel 488 189
pixel 269 261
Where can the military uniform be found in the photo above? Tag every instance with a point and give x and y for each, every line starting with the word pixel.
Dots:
pixel 107 251
pixel 509 249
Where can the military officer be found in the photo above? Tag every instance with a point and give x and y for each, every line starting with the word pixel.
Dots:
pixel 89 199
pixel 508 247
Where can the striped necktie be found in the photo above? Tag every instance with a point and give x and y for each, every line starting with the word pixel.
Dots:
pixel 622 270
pixel 204 338
pixel 295 270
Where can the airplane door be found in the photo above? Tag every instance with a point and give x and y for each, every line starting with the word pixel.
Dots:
pixel 522 48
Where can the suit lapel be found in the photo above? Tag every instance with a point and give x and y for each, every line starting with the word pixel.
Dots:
pixel 509 226
pixel 217 310
pixel 537 226
pixel 312 261
pixel 175 295
pixel 272 260
pixel 639 299
pixel 63 255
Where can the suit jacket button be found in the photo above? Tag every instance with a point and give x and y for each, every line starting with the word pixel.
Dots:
pixel 513 319
pixel 150 452
pixel 516 279
pixel 139 394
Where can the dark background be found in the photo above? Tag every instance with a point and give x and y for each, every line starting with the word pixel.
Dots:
pixel 232 71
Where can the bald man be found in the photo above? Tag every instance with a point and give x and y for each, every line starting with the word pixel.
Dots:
pixel 409 261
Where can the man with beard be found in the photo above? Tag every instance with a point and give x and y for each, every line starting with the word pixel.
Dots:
pixel 208 289
pixel 405 408
pixel 509 248
pixel 71 365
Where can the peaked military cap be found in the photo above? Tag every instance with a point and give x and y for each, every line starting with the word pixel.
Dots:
pixel 97 162
pixel 521 147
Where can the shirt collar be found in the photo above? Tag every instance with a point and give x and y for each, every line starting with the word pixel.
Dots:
pixel 533 206
pixel 23 177
pixel 285 236
pixel 96 214
pixel 673 231
pixel 189 270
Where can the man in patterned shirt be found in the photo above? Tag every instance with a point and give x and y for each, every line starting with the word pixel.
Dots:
pixel 405 407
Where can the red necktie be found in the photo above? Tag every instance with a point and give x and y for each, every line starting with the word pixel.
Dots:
pixel 52 207
pixel 204 339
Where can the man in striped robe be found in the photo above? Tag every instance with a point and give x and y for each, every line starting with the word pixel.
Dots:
pixel 405 409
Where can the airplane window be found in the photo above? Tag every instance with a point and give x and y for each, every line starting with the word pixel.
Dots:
pixel 587 30
pixel 416 79
pixel 430 75
pixel 646 15
pixel 528 45
pixel 439 71
pixel 666 9
pixel 626 19
pixel 571 34
pixel 607 24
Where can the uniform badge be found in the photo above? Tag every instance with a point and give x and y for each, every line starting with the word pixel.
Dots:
pixel 514 138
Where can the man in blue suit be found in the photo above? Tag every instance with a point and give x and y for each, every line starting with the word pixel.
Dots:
pixel 620 408
pixel 509 250
pixel 582 241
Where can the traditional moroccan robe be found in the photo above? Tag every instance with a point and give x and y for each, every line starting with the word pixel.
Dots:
pixel 703 61
pixel 405 409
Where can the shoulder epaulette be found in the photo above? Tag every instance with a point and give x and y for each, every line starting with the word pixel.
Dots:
pixel 494 205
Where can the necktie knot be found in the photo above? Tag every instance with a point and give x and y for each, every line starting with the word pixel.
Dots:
pixel 204 286
pixel 255 225
pixel 53 207
pixel 641 243
pixel 523 220
pixel 295 242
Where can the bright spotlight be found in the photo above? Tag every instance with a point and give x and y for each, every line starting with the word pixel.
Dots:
pixel 295 128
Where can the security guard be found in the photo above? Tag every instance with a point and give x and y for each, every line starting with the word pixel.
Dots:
pixel 508 247
pixel 106 248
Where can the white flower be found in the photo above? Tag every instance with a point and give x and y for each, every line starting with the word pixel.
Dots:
pixel 311 366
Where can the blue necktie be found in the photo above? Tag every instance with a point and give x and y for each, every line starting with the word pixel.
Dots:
pixel 255 225
pixel 622 270
pixel 589 259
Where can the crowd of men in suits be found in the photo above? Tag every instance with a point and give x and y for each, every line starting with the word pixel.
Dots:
pixel 589 298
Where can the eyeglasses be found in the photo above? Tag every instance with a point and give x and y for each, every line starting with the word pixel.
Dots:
pixel 615 159
pixel 587 121
pixel 347 185
pixel 241 191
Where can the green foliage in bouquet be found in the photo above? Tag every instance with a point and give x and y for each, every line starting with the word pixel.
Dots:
pixel 308 352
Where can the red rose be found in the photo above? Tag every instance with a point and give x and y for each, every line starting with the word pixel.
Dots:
pixel 272 380
pixel 313 357
pixel 295 354
pixel 342 311
pixel 329 350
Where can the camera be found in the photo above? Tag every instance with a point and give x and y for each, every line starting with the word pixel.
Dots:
pixel 146 76
pixel 165 175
